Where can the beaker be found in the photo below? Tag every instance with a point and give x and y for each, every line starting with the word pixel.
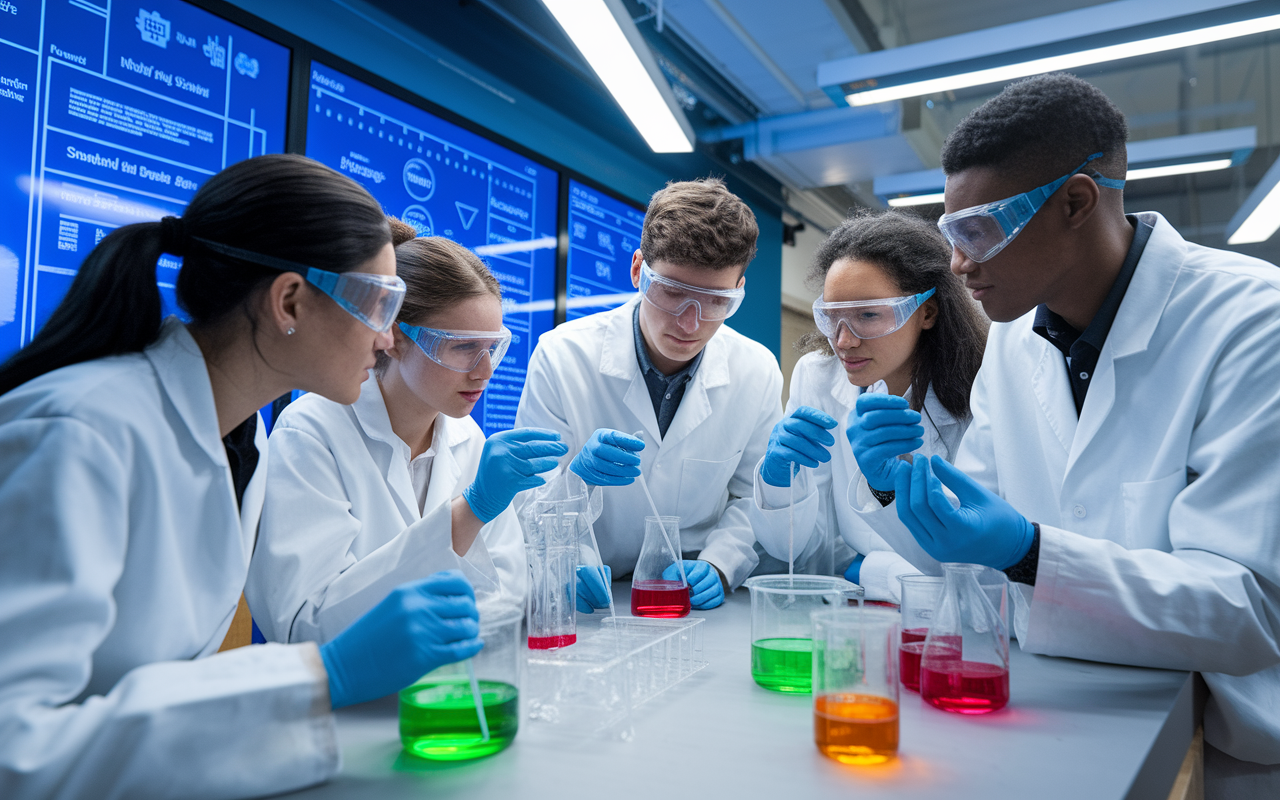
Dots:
pixel 653 591
pixel 855 684
pixel 553 567
pixel 781 643
pixel 438 717
pixel 965 665
pixel 920 595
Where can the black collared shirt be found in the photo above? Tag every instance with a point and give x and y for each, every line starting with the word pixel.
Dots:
pixel 1081 350
pixel 665 391
pixel 242 455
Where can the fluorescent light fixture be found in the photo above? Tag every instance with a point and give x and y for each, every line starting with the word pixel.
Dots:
pixel 1259 217
pixel 603 32
pixel 1177 169
pixel 915 200
pixel 1066 61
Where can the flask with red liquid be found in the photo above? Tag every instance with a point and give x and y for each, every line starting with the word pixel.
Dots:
pixel 658 584
pixel 965 665
pixel 920 596
pixel 552 551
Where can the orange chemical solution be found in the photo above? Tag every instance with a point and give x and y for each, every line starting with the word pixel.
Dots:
pixel 964 687
pixel 551 642
pixel 856 728
pixel 909 657
pixel 659 599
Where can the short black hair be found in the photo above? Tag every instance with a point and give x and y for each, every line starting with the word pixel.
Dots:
pixel 1041 127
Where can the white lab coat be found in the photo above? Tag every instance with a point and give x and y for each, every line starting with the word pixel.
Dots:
pixel 1159 508
pixel 341 526
pixel 122 559
pixel 825 497
pixel 584 375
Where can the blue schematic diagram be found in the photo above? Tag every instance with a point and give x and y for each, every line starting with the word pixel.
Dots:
pixel 114 114
pixel 603 235
pixel 448 181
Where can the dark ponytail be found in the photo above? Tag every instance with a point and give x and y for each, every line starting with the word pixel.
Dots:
pixel 283 206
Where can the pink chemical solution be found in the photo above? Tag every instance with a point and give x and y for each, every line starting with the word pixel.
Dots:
pixel 551 642
pixel 964 687
pixel 909 657
pixel 659 599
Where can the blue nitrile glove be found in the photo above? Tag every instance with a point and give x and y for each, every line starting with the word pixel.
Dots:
pixel 801 438
pixel 417 627
pixel 985 529
pixel 854 572
pixel 705 588
pixel 593 588
pixel 882 427
pixel 608 459
pixel 509 464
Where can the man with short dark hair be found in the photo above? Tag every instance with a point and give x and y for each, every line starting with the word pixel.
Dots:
pixel 704 396
pixel 1121 465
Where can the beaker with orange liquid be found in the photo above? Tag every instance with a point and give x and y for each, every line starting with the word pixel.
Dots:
pixel 855 684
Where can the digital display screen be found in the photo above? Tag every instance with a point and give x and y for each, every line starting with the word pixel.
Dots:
pixel 447 181
pixel 603 234
pixel 112 114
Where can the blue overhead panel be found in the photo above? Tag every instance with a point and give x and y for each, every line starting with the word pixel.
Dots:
pixel 1056 35
pixel 603 235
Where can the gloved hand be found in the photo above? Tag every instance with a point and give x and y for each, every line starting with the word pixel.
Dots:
pixel 985 529
pixel 882 427
pixel 593 588
pixel 801 438
pixel 854 571
pixel 705 588
pixel 509 464
pixel 608 459
pixel 419 626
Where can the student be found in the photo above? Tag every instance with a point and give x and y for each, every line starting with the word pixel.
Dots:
pixel 402 482
pixel 1121 464
pixel 703 395
pixel 131 478
pixel 890 312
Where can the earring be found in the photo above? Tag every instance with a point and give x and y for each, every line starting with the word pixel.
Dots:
pixel 289 332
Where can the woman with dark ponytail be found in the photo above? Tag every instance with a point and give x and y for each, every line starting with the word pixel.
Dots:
pixel 131 480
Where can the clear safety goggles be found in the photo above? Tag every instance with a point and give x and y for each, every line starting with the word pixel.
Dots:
pixel 982 231
pixel 675 297
pixel 375 300
pixel 866 319
pixel 459 351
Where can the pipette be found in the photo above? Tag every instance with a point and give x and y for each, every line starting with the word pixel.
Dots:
pixel 654 507
pixel 794 469
pixel 475 693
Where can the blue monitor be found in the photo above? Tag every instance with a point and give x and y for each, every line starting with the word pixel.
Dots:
pixel 603 234
pixel 112 114
pixel 447 181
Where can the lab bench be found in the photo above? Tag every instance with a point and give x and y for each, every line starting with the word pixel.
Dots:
pixel 1072 729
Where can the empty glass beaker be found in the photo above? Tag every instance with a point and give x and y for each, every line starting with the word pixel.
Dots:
pixel 920 595
pixel 781 647
pixel 553 567
pixel 438 716
pixel 965 665
pixel 658 584
pixel 855 684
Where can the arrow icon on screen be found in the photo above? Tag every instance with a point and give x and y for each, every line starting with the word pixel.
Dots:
pixel 466 214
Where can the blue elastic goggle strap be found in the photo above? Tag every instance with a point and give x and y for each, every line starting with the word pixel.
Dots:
pixel 1037 196
pixel 920 298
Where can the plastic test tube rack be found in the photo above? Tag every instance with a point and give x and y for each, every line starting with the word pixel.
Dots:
pixel 584 688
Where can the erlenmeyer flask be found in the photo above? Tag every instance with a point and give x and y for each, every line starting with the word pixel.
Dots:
pixel 965 665
pixel 658 586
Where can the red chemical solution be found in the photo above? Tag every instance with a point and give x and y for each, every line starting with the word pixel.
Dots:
pixel 551 642
pixel 909 664
pixel 964 687
pixel 914 635
pixel 659 599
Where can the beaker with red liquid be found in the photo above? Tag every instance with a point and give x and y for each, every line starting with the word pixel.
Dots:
pixel 552 551
pixel 920 595
pixel 855 683
pixel 965 665
pixel 654 593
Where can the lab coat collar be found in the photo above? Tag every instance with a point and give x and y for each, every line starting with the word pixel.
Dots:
pixel 371 412
pixel 1149 291
pixel 182 371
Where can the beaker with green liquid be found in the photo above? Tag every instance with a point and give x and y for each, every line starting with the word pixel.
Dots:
pixel 439 718
pixel 781 634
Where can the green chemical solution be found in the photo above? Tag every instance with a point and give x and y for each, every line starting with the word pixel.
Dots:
pixel 783 665
pixel 438 719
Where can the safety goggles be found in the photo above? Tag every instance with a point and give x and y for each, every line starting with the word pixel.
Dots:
pixel 866 319
pixel 675 297
pixel 375 300
pixel 982 231
pixel 459 351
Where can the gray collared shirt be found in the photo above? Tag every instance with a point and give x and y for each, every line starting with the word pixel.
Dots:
pixel 666 391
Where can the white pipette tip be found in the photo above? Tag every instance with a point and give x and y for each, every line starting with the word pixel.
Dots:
pixel 475 693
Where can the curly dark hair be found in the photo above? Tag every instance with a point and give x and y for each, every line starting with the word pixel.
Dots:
pixel 1041 128
pixel 915 256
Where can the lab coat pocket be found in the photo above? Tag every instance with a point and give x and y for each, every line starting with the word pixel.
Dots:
pixel 704 488
pixel 1146 510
